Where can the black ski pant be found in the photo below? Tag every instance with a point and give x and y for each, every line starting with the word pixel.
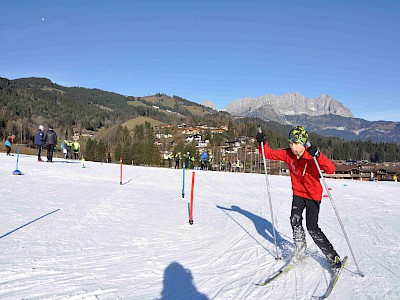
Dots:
pixel 312 212
pixel 50 150
pixel 40 147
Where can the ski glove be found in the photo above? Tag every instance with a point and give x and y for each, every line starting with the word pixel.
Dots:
pixel 260 138
pixel 314 151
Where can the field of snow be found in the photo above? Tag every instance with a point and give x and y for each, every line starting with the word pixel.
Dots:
pixel 68 232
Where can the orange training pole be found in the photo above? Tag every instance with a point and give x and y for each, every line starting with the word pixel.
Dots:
pixel 191 201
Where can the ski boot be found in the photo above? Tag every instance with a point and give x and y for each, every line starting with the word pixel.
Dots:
pixel 334 261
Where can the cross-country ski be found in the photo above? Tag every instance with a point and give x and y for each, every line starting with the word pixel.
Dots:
pixel 283 270
pixel 335 277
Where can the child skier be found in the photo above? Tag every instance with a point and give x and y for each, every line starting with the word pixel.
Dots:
pixel 8 145
pixel 64 148
pixel 307 189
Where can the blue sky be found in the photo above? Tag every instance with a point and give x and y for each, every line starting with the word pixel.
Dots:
pixel 212 50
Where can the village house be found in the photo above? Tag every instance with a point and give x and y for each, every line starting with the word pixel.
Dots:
pixel 387 171
pixel 366 171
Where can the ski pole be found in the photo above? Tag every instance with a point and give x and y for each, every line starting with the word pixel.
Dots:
pixel 183 180
pixel 269 195
pixel 120 170
pixel 308 144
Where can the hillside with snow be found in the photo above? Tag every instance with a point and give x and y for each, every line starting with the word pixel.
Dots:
pixel 68 232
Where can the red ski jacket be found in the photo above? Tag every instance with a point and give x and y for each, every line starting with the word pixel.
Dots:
pixel 303 171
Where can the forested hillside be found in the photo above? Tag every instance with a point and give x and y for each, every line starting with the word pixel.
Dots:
pixel 28 102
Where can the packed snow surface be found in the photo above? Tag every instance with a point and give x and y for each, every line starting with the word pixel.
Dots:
pixel 74 232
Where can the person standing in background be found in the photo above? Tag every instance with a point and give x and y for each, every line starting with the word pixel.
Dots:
pixel 64 148
pixel 69 149
pixel 177 160
pixel 8 144
pixel 170 159
pixel 76 147
pixel 204 160
pixel 40 141
pixel 187 160
pixel 51 141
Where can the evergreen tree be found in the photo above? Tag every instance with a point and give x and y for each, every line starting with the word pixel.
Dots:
pixel 90 149
pixel 118 152
pixel 230 133
pixel 137 153
pixel 127 155
pixel 101 151
pixel 217 139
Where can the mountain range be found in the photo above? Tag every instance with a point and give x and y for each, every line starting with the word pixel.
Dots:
pixel 324 115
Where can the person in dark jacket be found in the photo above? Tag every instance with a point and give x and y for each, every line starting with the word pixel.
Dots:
pixel 187 160
pixel 51 141
pixel 307 189
pixel 69 149
pixel 40 141
pixel 177 160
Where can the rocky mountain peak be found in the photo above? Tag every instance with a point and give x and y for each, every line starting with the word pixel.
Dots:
pixel 289 104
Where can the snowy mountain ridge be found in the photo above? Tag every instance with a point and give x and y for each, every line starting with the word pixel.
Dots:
pixel 288 104
pixel 323 114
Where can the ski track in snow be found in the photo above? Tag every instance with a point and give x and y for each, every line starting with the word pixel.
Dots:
pixel 69 232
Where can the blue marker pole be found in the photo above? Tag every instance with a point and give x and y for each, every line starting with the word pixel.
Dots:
pixel 17 172
pixel 183 180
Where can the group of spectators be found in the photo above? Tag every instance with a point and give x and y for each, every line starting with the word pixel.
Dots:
pixel 189 161
pixel 48 140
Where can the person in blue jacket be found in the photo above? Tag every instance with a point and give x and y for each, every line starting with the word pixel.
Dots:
pixel 40 141
pixel 8 144
pixel 204 159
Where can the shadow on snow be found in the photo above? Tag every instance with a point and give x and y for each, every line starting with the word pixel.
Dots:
pixel 263 227
pixel 178 284
pixel 16 229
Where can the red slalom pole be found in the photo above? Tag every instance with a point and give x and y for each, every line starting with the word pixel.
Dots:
pixel 120 171
pixel 191 201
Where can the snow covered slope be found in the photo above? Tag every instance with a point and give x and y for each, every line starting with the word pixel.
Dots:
pixel 68 232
